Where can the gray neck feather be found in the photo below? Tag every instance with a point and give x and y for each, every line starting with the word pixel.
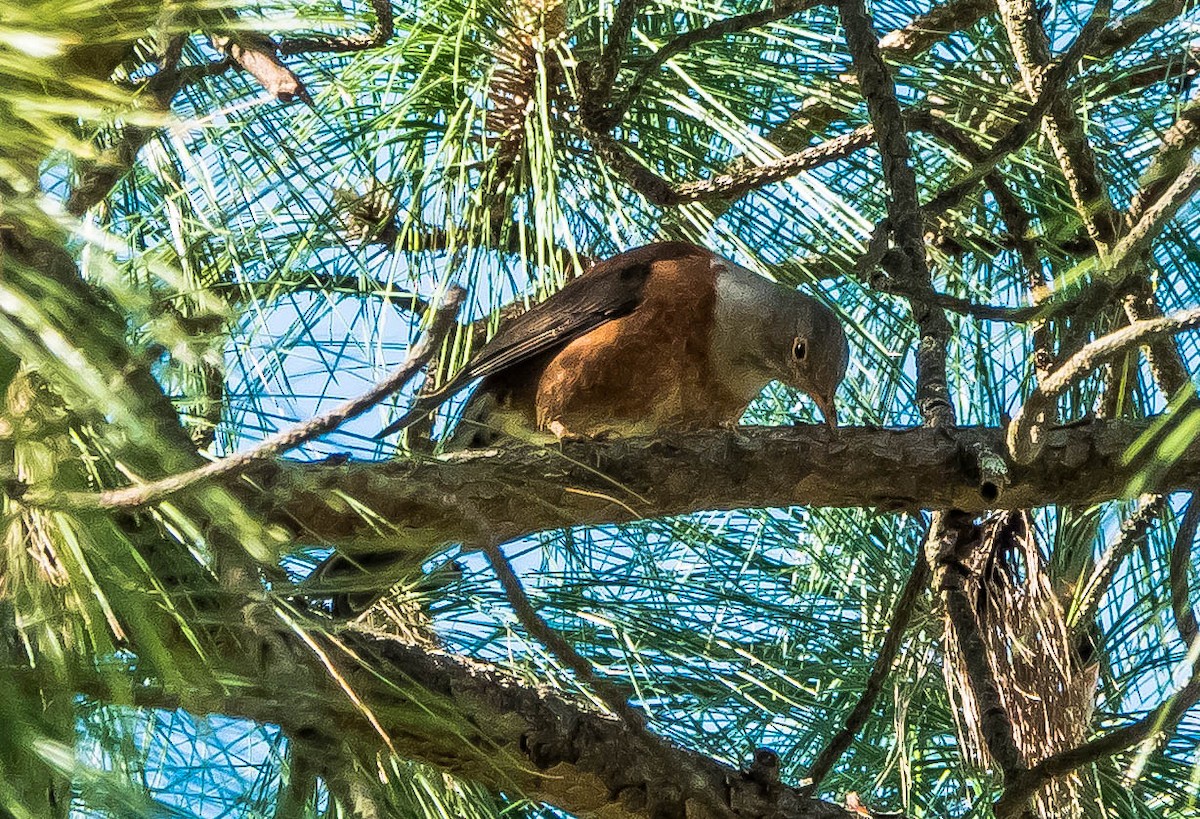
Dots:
pixel 742 343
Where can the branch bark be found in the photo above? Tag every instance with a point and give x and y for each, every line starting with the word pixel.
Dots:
pixel 478 721
pixel 904 212
pixel 413 505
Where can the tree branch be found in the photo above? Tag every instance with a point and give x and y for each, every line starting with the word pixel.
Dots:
pixel 1129 536
pixel 1128 30
pixel 954 538
pixel 610 693
pixel 904 211
pixel 97 177
pixel 478 721
pixel 410 505
pixel 738 179
pixel 383 30
pixel 1031 46
pixel 1178 143
pixel 257 55
pixel 1023 432
pixel 599 84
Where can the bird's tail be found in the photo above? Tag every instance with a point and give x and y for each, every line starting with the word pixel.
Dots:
pixel 416 412
pixel 424 405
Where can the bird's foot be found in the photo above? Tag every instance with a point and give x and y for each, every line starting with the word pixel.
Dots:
pixel 736 429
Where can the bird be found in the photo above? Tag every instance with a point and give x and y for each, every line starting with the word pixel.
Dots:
pixel 667 336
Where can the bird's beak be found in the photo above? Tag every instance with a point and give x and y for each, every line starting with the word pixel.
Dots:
pixel 828 409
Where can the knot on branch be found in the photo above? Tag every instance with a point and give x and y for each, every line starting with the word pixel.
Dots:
pixel 1025 436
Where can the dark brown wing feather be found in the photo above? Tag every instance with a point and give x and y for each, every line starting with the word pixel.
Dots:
pixel 611 289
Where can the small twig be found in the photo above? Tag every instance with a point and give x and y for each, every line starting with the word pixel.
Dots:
pixel 350 284
pixel 734 184
pixel 611 118
pixel 1178 143
pixel 383 30
pixel 1154 215
pixel 918 580
pixel 611 694
pixel 1023 440
pixel 1131 533
pixel 155 491
pixel 1181 561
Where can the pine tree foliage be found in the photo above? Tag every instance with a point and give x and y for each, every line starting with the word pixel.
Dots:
pixel 219 219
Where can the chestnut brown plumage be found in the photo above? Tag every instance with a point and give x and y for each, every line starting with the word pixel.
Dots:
pixel 665 336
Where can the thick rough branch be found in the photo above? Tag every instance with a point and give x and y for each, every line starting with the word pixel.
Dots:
pixel 414 504
pixel 479 722
pixel 904 212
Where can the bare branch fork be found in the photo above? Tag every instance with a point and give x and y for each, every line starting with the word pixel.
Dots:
pixel 275 445
pixel 1024 440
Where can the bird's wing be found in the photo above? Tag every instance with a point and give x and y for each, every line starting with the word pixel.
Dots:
pixel 606 292
pixel 611 289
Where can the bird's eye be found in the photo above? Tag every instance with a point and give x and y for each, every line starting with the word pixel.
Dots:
pixel 800 349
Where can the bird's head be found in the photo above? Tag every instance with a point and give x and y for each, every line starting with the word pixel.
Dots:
pixel 768 332
pixel 810 351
